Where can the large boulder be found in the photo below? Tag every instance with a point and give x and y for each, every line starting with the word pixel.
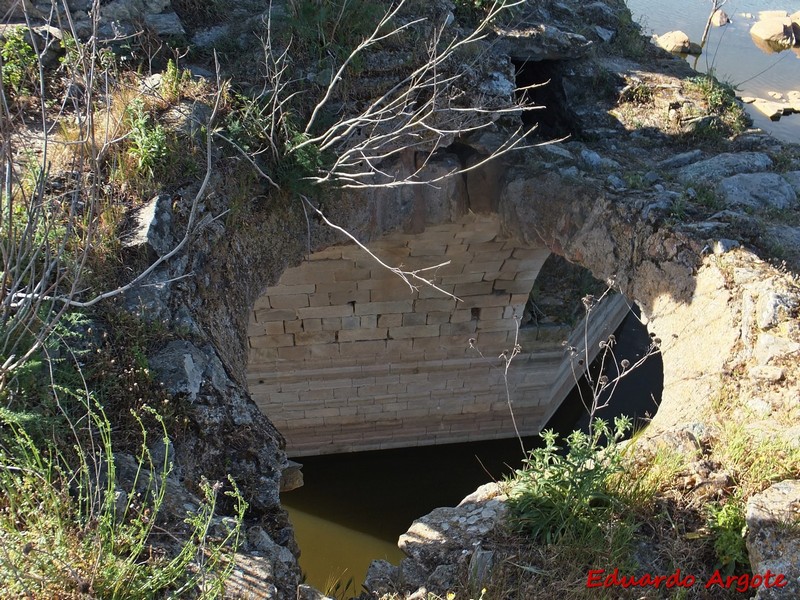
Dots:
pixel 757 190
pixel 777 31
pixel 724 165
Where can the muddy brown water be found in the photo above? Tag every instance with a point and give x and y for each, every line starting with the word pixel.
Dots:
pixel 730 52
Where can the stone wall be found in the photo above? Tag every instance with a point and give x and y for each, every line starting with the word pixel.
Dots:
pixel 345 356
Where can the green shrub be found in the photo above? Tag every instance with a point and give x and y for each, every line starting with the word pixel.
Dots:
pixel 19 61
pixel 147 140
pixel 569 496
pixel 727 524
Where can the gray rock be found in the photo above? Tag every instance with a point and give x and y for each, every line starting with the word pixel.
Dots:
pixel 180 366
pixel 153 227
pixel 165 24
pixel 651 178
pixel 381 577
pixel 772 543
pixel 616 182
pixel 757 190
pixel 604 34
pixel 680 160
pixel 207 38
pixel 793 177
pixel 440 536
pixel 724 165
pixel 723 245
pixel 291 476
pixel 595 162
pixel 541 42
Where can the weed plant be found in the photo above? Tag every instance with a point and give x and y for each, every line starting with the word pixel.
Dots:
pixel 69 527
pixel 569 495
pixel 19 63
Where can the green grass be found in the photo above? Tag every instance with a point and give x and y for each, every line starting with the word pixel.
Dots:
pixel 68 525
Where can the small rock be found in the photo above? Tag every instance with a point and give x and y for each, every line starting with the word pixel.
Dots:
pixel 723 245
pixel 772 308
pixel 153 226
pixel 604 34
pixel 720 18
pixel 165 24
pixel 681 160
pixel 678 42
pixel 381 576
pixel 766 373
pixel 616 182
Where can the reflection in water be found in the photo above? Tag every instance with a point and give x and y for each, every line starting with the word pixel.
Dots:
pixel 354 506
pixel 730 52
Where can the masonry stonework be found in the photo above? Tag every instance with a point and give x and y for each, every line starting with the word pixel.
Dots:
pixel 345 356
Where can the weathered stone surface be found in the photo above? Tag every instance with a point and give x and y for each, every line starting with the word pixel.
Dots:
pixel 757 190
pixel 793 177
pixel 724 165
pixel 680 160
pixel 769 347
pixel 165 24
pixel 542 42
pixel 766 373
pixel 773 542
pixel 774 30
pixel 381 577
pixel 153 226
pixel 439 542
pixel 679 42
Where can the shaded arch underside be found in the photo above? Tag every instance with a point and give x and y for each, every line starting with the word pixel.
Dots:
pixel 344 356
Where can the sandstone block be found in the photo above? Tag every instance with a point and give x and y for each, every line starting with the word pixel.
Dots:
pixel 307 338
pixel 266 315
pixel 399 333
pixel 331 324
pixel 415 318
pixel 378 308
pixel 289 301
pixel 291 326
pixel 293 353
pixel 433 305
pixel 289 290
pixel 361 334
pixel 321 312
pixel 272 341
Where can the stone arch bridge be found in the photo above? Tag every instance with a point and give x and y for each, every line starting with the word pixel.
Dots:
pixel 345 356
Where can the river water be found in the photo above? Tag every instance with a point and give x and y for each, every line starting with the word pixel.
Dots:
pixel 730 51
